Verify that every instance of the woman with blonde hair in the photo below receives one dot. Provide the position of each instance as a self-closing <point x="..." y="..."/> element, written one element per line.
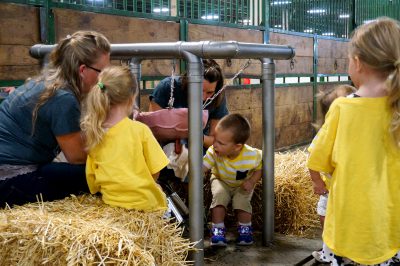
<point x="41" y="118"/>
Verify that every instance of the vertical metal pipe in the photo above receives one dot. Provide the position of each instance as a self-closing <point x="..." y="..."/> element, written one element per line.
<point x="219" y="10"/>
<point x="268" y="122"/>
<point x="136" y="69"/>
<point x="315" y="76"/>
<point x="353" y="16"/>
<point x="266" y="14"/>
<point x="196" y="208"/>
<point x="191" y="9"/>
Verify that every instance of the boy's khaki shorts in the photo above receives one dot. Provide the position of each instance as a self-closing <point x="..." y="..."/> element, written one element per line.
<point x="222" y="195"/>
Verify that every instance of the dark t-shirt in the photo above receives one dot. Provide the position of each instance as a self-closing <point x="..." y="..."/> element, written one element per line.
<point x="58" y="116"/>
<point x="162" y="93"/>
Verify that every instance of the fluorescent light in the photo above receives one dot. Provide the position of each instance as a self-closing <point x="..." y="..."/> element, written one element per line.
<point x="344" y="16"/>
<point x="368" y="21"/>
<point x="159" y="10"/>
<point x="210" y="17"/>
<point x="316" y="11"/>
<point x="276" y="3"/>
<point x="328" y="34"/>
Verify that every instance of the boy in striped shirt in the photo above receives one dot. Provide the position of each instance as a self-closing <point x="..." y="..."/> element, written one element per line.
<point x="235" y="170"/>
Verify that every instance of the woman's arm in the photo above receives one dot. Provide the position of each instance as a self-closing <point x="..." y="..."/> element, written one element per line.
<point x="73" y="147"/>
<point x="154" y="106"/>
<point x="209" y="139"/>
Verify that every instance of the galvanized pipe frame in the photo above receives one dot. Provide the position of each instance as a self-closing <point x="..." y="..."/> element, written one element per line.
<point x="203" y="49"/>
<point x="192" y="52"/>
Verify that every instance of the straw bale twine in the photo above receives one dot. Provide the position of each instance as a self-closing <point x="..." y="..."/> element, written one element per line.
<point x="85" y="231"/>
<point x="295" y="201"/>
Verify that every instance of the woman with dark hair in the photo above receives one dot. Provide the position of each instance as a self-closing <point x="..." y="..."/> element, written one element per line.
<point x="212" y="84"/>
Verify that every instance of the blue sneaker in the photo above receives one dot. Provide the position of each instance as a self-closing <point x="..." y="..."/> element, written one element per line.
<point x="218" y="237"/>
<point x="245" y="235"/>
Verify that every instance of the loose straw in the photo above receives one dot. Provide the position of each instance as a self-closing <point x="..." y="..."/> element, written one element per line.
<point x="85" y="231"/>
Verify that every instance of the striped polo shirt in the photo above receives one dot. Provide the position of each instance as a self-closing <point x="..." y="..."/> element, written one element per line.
<point x="234" y="171"/>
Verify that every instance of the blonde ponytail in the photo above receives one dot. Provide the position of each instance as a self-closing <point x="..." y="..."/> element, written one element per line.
<point x="393" y="87"/>
<point x="378" y="45"/>
<point x="97" y="106"/>
<point x="116" y="85"/>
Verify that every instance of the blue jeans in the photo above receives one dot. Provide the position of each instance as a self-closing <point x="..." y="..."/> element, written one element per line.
<point x="53" y="181"/>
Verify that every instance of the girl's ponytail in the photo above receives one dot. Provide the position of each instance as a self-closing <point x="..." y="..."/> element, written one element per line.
<point x="393" y="87"/>
<point x="96" y="110"/>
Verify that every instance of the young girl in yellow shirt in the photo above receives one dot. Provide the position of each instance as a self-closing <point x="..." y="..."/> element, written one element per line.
<point x="359" y="146"/>
<point x="124" y="158"/>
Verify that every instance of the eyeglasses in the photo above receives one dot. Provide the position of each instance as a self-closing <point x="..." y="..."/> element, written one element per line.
<point x="95" y="69"/>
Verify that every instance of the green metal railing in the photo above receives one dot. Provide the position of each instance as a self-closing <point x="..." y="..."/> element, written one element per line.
<point x="322" y="17"/>
<point x="335" y="19"/>
<point x="312" y="18"/>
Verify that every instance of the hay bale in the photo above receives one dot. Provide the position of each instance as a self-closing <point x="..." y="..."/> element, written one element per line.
<point x="295" y="201"/>
<point x="85" y="231"/>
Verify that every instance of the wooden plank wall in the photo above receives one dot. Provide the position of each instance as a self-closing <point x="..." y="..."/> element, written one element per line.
<point x="303" y="61"/>
<point x="120" y="29"/>
<point x="214" y="33"/>
<point x="293" y="105"/>
<point x="19" y="30"/>
<point x="332" y="57"/>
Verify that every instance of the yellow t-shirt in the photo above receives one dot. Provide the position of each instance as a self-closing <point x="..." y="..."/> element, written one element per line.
<point x="326" y="177"/>
<point x="121" y="167"/>
<point x="363" y="213"/>
<point x="234" y="171"/>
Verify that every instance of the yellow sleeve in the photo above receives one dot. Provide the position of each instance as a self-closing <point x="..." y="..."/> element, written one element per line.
<point x="321" y="148"/>
<point x="208" y="159"/>
<point x="259" y="159"/>
<point x="90" y="176"/>
<point x="153" y="154"/>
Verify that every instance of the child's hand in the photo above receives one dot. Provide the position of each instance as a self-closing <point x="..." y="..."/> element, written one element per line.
<point x="319" y="187"/>
<point x="318" y="183"/>
<point x="248" y="185"/>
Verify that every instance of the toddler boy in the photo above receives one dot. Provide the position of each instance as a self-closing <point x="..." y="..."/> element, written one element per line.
<point x="235" y="170"/>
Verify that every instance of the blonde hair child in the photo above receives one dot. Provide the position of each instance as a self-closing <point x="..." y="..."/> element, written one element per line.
<point x="325" y="100"/>
<point x="359" y="146"/>
<point x="124" y="158"/>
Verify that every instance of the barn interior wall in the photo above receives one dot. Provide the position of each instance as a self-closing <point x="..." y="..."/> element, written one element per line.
<point x="293" y="104"/>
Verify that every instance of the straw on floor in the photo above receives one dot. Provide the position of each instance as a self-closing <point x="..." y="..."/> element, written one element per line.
<point x="85" y="231"/>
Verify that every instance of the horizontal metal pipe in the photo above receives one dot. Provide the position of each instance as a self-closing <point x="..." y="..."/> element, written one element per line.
<point x="203" y="49"/>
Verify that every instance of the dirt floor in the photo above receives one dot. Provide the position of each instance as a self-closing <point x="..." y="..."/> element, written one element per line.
<point x="285" y="250"/>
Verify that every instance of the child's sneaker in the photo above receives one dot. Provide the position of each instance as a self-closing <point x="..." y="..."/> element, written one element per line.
<point x="218" y="237"/>
<point x="245" y="235"/>
<point x="318" y="256"/>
